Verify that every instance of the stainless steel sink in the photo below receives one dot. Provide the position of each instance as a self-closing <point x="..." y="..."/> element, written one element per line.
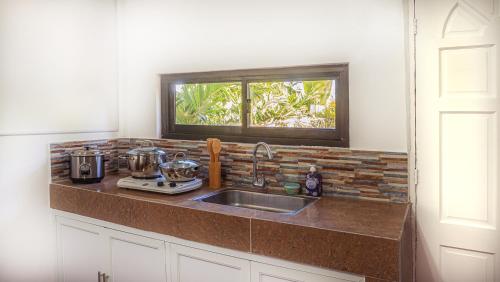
<point x="258" y="201"/>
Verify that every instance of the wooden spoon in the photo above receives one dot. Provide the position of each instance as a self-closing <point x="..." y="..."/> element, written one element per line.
<point x="216" y="148"/>
<point x="210" y="149"/>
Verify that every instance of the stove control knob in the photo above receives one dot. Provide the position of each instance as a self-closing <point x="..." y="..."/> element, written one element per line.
<point x="160" y="184"/>
<point x="172" y="184"/>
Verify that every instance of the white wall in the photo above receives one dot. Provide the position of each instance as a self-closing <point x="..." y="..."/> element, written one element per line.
<point x="57" y="61"/>
<point x="168" y="36"/>
<point x="27" y="233"/>
<point x="58" y="66"/>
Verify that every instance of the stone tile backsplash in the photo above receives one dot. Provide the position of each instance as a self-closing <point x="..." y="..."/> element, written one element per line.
<point x="370" y="175"/>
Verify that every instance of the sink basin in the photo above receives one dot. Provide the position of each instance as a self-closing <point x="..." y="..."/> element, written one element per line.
<point x="258" y="201"/>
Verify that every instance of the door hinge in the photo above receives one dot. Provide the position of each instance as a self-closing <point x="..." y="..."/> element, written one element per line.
<point x="415" y="176"/>
<point x="415" y="26"/>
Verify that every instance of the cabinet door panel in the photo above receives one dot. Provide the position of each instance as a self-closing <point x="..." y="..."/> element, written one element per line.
<point x="194" y="265"/>
<point x="270" y="273"/>
<point x="81" y="252"/>
<point x="136" y="258"/>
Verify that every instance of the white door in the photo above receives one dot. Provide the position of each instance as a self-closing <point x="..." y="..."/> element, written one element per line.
<point x="136" y="258"/>
<point x="81" y="251"/>
<point x="457" y="140"/>
<point x="270" y="273"/>
<point x="194" y="265"/>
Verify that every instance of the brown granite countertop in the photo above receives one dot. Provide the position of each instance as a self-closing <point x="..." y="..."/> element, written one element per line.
<point x="358" y="236"/>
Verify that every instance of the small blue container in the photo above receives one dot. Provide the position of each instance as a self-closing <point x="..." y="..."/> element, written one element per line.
<point x="291" y="188"/>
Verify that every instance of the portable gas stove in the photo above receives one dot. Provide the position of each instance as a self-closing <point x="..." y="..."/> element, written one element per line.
<point x="159" y="185"/>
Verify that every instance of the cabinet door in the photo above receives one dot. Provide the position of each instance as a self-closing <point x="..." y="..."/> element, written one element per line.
<point x="270" y="273"/>
<point x="81" y="251"/>
<point x="136" y="258"/>
<point x="194" y="265"/>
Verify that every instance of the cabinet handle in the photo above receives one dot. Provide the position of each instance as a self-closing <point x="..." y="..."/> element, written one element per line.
<point x="105" y="277"/>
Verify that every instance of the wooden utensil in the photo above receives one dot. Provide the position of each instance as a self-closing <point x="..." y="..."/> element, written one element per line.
<point x="214" y="177"/>
<point x="214" y="166"/>
<point x="216" y="148"/>
<point x="210" y="149"/>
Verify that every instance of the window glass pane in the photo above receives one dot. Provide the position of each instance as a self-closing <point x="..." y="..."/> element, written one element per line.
<point x="295" y="104"/>
<point x="208" y="103"/>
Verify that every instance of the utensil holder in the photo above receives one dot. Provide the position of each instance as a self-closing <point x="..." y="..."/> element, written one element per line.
<point x="214" y="175"/>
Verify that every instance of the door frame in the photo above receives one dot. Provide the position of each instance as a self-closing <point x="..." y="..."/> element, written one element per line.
<point x="412" y="32"/>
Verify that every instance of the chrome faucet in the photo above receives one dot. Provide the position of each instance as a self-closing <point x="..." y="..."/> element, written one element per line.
<point x="260" y="180"/>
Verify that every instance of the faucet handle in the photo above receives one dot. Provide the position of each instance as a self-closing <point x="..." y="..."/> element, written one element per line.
<point x="260" y="181"/>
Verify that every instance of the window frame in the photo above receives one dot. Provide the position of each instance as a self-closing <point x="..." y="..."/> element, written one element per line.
<point x="338" y="137"/>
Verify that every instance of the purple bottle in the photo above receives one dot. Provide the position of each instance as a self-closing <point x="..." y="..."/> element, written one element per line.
<point x="314" y="185"/>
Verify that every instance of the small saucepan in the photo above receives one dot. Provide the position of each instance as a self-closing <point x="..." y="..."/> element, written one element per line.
<point x="180" y="170"/>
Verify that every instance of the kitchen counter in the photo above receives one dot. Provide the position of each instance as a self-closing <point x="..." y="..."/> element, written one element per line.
<point x="364" y="237"/>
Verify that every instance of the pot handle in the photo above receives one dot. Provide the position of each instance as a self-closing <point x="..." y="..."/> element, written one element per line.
<point x="180" y="154"/>
<point x="147" y="142"/>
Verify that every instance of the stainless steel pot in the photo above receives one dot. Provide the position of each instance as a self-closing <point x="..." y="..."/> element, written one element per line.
<point x="180" y="170"/>
<point x="87" y="166"/>
<point x="144" y="161"/>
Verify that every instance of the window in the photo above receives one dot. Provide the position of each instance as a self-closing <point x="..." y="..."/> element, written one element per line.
<point x="208" y="104"/>
<point x="306" y="105"/>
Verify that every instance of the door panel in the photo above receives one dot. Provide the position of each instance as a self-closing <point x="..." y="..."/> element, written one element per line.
<point x="466" y="72"/>
<point x="136" y="258"/>
<point x="467" y="169"/>
<point x="474" y="266"/>
<point x="457" y="140"/>
<point x="270" y="273"/>
<point x="81" y="251"/>
<point x="194" y="265"/>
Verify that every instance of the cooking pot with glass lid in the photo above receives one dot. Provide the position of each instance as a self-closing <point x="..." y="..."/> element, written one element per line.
<point x="145" y="160"/>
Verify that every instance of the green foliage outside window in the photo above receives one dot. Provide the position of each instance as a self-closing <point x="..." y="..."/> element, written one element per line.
<point x="208" y="104"/>
<point x="299" y="104"/>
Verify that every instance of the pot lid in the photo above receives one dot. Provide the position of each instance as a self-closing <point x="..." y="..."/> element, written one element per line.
<point x="146" y="151"/>
<point x="86" y="152"/>
<point x="180" y="164"/>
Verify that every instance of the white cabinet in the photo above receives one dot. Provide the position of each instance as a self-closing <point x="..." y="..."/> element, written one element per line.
<point x="136" y="258"/>
<point x="86" y="249"/>
<point x="81" y="253"/>
<point x="194" y="265"/>
<point x="270" y="273"/>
